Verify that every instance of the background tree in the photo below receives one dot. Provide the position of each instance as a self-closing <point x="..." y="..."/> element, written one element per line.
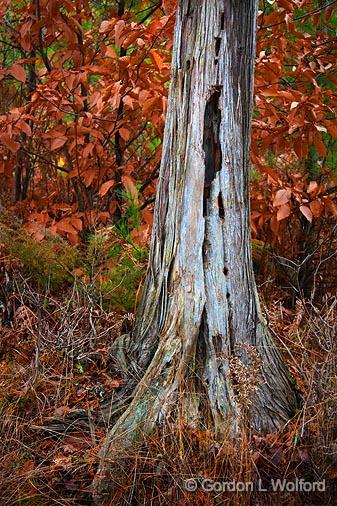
<point x="201" y="351"/>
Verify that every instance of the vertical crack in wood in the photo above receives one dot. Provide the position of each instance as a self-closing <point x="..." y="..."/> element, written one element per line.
<point x="187" y="91"/>
<point x="217" y="46"/>
<point x="222" y="21"/>
<point x="211" y="145"/>
<point x="231" y="332"/>
<point x="201" y="380"/>
<point x="221" y="207"/>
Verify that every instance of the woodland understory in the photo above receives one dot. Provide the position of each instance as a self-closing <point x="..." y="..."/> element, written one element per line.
<point x="58" y="377"/>
<point x="83" y="103"/>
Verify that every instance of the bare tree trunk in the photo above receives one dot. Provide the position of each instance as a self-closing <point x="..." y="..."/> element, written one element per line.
<point x="201" y="350"/>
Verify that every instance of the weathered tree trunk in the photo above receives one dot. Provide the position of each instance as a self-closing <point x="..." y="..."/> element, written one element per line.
<point x="201" y="350"/>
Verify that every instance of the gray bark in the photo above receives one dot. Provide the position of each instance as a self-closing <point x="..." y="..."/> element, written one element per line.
<point x="201" y="350"/>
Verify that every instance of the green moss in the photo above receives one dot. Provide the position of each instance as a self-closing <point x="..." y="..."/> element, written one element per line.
<point x="49" y="263"/>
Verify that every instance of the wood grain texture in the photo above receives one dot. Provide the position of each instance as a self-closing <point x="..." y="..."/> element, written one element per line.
<point x="200" y="305"/>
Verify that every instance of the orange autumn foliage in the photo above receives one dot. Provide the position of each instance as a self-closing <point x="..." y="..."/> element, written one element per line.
<point x="88" y="91"/>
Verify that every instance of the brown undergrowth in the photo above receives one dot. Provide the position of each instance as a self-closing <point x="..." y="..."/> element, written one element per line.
<point x="54" y="360"/>
<point x="56" y="364"/>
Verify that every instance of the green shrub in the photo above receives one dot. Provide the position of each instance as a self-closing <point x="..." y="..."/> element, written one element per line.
<point x="117" y="267"/>
<point x="121" y="287"/>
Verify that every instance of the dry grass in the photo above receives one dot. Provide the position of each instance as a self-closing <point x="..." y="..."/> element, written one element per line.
<point x="154" y="473"/>
<point x="55" y="361"/>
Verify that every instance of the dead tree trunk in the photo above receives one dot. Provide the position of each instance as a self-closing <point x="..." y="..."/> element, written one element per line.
<point x="201" y="350"/>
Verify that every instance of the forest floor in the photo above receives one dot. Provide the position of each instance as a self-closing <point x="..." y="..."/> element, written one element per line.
<point x="56" y="369"/>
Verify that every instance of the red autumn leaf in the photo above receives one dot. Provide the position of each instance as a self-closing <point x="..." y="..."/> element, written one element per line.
<point x="283" y="212"/>
<point x="147" y="216"/>
<point x="24" y="127"/>
<point x="332" y="127"/>
<point x="25" y="28"/>
<point x="106" y="187"/>
<point x="130" y="187"/>
<point x="313" y="185"/>
<point x="130" y="39"/>
<point x="106" y="25"/>
<point x="74" y="239"/>
<point x="156" y="59"/>
<point x="301" y="148"/>
<point x="140" y="235"/>
<point x="88" y="176"/>
<point x="110" y="52"/>
<point x="306" y="212"/>
<point x="272" y="173"/>
<point x="281" y="197"/>
<point x="76" y="223"/>
<point x="168" y="5"/>
<point x="65" y="226"/>
<point x="149" y="104"/>
<point x="57" y="132"/>
<point x="58" y="142"/>
<point x="18" y="72"/>
<point x="112" y="207"/>
<point x="88" y="149"/>
<point x="285" y="94"/>
<point x="129" y="101"/>
<point x="319" y="144"/>
<point x="316" y="208"/>
<point x="331" y="206"/>
<point x="119" y="28"/>
<point x="124" y="133"/>
<point x="10" y="143"/>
